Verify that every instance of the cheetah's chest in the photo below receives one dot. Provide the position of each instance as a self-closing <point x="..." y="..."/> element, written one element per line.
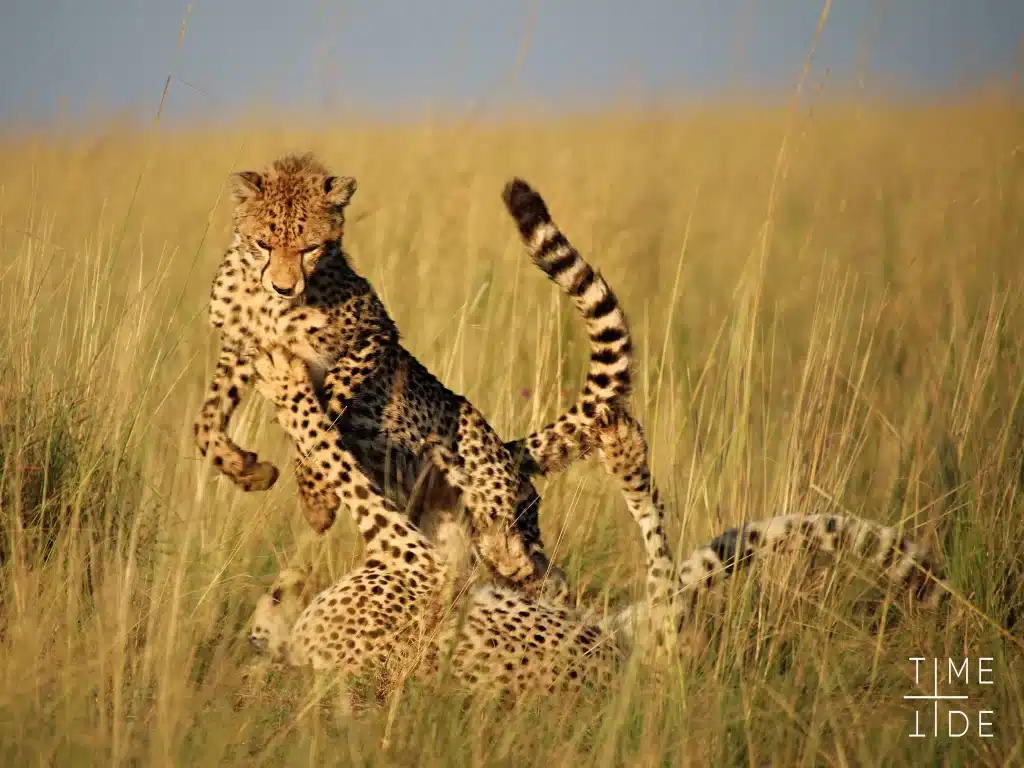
<point x="248" y="316"/>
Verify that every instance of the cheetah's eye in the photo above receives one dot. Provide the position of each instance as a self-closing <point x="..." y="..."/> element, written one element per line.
<point x="311" y="249"/>
<point x="262" y="245"/>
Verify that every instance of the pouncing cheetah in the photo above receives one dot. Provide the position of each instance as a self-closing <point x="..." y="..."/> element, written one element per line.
<point x="551" y="449"/>
<point x="286" y="283"/>
<point x="410" y="607"/>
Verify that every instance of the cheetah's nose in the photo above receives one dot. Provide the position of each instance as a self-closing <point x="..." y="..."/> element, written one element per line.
<point x="258" y="643"/>
<point x="283" y="291"/>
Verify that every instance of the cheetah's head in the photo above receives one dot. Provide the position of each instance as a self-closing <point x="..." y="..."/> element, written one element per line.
<point x="277" y="610"/>
<point x="287" y="217"/>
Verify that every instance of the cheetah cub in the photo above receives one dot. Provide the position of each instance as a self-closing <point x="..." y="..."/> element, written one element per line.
<point x="286" y="283"/>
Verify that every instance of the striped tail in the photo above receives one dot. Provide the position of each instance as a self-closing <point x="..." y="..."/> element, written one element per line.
<point x="609" y="377"/>
<point x="902" y="560"/>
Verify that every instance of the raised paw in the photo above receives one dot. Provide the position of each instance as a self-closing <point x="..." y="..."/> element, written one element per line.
<point x="256" y="475"/>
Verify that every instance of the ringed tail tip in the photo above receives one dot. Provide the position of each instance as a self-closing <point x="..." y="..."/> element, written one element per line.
<point x="525" y="205"/>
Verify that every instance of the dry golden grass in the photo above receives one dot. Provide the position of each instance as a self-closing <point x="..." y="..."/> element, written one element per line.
<point x="828" y="316"/>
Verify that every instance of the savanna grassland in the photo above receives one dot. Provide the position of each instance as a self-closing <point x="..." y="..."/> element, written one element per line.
<point x="828" y="312"/>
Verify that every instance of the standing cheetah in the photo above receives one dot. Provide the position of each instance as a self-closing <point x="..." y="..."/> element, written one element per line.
<point x="287" y="283"/>
<point x="409" y="607"/>
<point x="552" y="448"/>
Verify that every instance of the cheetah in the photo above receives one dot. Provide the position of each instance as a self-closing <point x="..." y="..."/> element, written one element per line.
<point x="287" y="283"/>
<point x="411" y="605"/>
<point x="551" y="449"/>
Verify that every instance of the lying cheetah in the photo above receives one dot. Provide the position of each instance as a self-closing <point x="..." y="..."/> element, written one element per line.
<point x="287" y="283"/>
<point x="411" y="606"/>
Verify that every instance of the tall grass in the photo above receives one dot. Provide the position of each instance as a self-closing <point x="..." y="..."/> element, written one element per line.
<point x="870" y="362"/>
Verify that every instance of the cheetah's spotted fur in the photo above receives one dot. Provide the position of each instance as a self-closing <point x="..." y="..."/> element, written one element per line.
<point x="556" y="445"/>
<point x="286" y="283"/>
<point x="398" y="608"/>
<point x="410" y="604"/>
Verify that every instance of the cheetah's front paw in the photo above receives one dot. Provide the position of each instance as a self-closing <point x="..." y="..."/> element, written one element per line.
<point x="256" y="475"/>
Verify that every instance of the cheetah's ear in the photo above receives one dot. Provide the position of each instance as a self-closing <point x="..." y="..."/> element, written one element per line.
<point x="246" y="185"/>
<point x="338" y="190"/>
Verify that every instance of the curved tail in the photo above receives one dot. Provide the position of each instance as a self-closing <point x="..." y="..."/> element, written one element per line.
<point x="903" y="561"/>
<point x="609" y="377"/>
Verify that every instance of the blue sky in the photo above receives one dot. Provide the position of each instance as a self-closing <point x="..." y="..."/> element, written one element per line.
<point x="386" y="53"/>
